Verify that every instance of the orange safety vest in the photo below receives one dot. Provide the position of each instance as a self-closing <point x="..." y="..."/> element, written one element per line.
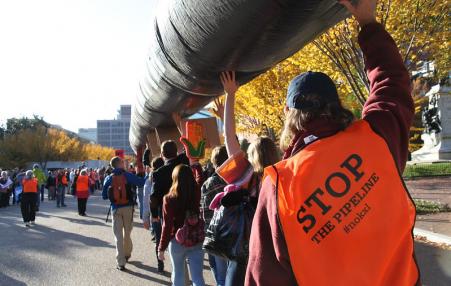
<point x="30" y="186"/>
<point x="64" y="179"/>
<point x="345" y="212"/>
<point x="82" y="184"/>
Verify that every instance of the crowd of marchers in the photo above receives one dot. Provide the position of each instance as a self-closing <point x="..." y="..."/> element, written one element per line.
<point x="27" y="188"/>
<point x="258" y="213"/>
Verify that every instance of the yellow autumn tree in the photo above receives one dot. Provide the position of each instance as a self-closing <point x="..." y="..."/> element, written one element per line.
<point x="40" y="143"/>
<point x="419" y="27"/>
<point x="96" y="151"/>
<point x="64" y="148"/>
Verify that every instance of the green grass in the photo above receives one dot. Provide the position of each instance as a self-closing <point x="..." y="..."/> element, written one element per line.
<point x="427" y="170"/>
<point x="430" y="207"/>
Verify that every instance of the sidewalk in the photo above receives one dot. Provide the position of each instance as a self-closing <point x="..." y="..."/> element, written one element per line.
<point x="437" y="189"/>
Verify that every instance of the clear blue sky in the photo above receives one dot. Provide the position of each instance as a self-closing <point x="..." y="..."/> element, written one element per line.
<point x="71" y="61"/>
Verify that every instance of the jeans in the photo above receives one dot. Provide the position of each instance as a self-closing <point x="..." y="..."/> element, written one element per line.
<point x="140" y="200"/>
<point x="218" y="266"/>
<point x="15" y="198"/>
<point x="156" y="226"/>
<point x="60" y="195"/>
<point x="179" y="254"/>
<point x="40" y="195"/>
<point x="51" y="193"/>
<point x="41" y="190"/>
<point x="236" y="272"/>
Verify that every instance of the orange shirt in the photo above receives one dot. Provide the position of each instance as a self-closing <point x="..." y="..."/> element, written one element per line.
<point x="30" y="186"/>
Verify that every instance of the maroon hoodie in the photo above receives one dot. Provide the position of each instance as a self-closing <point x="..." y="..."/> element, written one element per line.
<point x="389" y="110"/>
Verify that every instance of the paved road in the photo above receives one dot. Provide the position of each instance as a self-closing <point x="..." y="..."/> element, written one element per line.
<point x="436" y="189"/>
<point x="65" y="249"/>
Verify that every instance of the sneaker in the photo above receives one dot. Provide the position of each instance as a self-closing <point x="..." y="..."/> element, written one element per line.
<point x="64" y="206"/>
<point x="120" y="267"/>
<point x="32" y="223"/>
<point x="27" y="224"/>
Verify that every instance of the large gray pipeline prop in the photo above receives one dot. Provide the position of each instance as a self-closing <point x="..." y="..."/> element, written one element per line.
<point x="194" y="40"/>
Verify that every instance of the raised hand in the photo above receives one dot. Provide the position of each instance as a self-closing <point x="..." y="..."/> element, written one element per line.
<point x="229" y="83"/>
<point x="217" y="109"/>
<point x="364" y="11"/>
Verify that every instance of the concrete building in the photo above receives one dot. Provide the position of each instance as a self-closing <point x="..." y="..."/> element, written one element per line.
<point x="89" y="134"/>
<point x="114" y="133"/>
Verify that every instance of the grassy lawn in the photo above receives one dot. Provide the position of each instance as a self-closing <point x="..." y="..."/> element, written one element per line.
<point x="428" y="170"/>
<point x="429" y="207"/>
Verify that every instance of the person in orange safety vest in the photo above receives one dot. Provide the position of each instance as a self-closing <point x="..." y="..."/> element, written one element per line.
<point x="82" y="191"/>
<point x="30" y="188"/>
<point x="336" y="211"/>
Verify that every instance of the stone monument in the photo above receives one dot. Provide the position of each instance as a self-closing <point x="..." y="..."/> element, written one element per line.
<point x="436" y="119"/>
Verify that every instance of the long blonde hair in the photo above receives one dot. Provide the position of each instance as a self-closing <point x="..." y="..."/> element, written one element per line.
<point x="262" y="153"/>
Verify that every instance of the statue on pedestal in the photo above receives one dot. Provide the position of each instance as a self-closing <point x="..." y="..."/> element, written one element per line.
<point x="436" y="118"/>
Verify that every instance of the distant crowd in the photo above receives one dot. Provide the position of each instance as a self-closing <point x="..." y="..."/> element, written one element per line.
<point x="58" y="182"/>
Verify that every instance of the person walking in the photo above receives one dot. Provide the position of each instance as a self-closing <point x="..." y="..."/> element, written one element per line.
<point x="148" y="219"/>
<point x="51" y="186"/>
<point x="82" y="191"/>
<point x="162" y="178"/>
<point x="92" y="180"/>
<point x="183" y="198"/>
<point x="118" y="189"/>
<point x="5" y="189"/>
<point x="29" y="197"/>
<point x="18" y="188"/>
<point x="244" y="173"/>
<point x="71" y="182"/>
<point x="211" y="187"/>
<point x="323" y="211"/>
<point x="61" y="183"/>
<point x="67" y="175"/>
<point x="40" y="176"/>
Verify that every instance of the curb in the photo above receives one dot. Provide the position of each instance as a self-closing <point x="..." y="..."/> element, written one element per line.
<point x="432" y="236"/>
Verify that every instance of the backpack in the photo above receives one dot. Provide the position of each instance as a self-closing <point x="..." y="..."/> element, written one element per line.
<point x="193" y="230"/>
<point x="119" y="191"/>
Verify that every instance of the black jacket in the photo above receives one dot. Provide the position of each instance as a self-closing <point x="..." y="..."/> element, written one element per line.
<point x="51" y="181"/>
<point x="212" y="186"/>
<point x="162" y="179"/>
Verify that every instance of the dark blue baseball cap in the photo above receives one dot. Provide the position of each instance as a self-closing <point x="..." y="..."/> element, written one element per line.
<point x="311" y="83"/>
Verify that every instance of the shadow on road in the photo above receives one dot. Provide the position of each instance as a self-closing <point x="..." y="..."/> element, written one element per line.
<point x="86" y="220"/>
<point x="63" y="235"/>
<point x="6" y="280"/>
<point x="59" y="238"/>
<point x="146" y="268"/>
<point x="434" y="263"/>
